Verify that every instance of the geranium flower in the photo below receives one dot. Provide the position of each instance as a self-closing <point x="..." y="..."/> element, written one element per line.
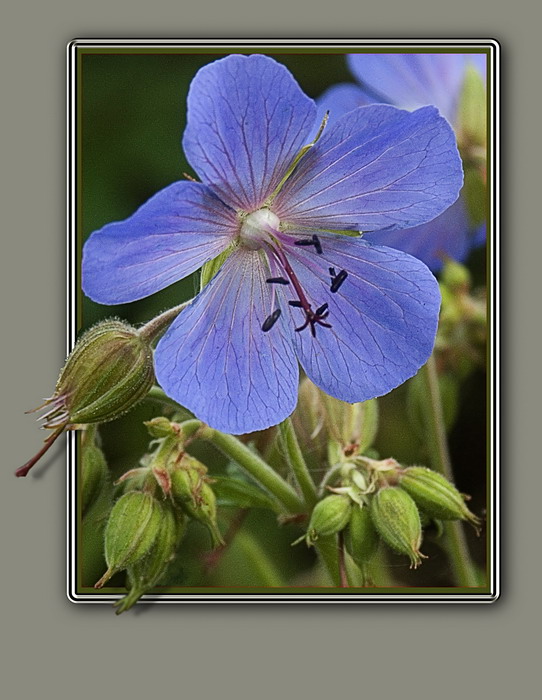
<point x="410" y="81"/>
<point x="359" y="318"/>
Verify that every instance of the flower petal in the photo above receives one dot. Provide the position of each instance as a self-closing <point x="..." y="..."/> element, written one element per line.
<point x="447" y="236"/>
<point x="413" y="80"/>
<point x="340" y="99"/>
<point x="247" y="119"/>
<point x="391" y="173"/>
<point x="215" y="359"/>
<point x="383" y="317"/>
<point x="170" y="236"/>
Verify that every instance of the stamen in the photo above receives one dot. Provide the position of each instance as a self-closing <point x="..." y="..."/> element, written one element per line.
<point x="313" y="240"/>
<point x="271" y="320"/>
<point x="317" y="244"/>
<point x="322" y="309"/>
<point x="338" y="280"/>
<point x="296" y="304"/>
<point x="277" y="280"/>
<point x="332" y="272"/>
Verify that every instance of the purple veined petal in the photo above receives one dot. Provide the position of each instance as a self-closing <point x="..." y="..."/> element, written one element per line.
<point x="247" y="119"/>
<point x="447" y="236"/>
<point x="413" y="80"/>
<point x="400" y="173"/>
<point x="338" y="100"/>
<point x="173" y="234"/>
<point x="218" y="362"/>
<point x="383" y="317"/>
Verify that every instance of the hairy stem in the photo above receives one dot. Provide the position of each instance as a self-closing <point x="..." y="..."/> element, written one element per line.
<point x="455" y="542"/>
<point x="154" y="328"/>
<point x="297" y="463"/>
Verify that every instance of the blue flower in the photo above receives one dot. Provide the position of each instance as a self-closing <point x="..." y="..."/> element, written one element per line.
<point x="359" y="318"/>
<point x="411" y="81"/>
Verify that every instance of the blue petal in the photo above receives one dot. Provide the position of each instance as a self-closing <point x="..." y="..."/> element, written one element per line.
<point x="447" y="236"/>
<point x="383" y="317"/>
<point x="340" y="99"/>
<point x="412" y="80"/>
<point x="395" y="170"/>
<point x="247" y="119"/>
<point x="170" y="236"/>
<point x="216" y="360"/>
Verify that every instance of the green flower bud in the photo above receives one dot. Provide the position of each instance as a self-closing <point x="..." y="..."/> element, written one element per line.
<point x="329" y="516"/>
<point x="397" y="520"/>
<point x="147" y="572"/>
<point x="94" y="475"/>
<point x="320" y="418"/>
<point x="131" y="530"/>
<point x="361" y="538"/>
<point x="435" y="495"/>
<point x="108" y="372"/>
<point x="190" y="491"/>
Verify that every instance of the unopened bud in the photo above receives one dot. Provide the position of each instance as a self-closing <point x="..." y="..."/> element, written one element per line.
<point x="108" y="372"/>
<point x="329" y="516"/>
<point x="131" y="530"/>
<point x="147" y="572"/>
<point x="320" y="418"/>
<point x="94" y="475"/>
<point x="435" y="495"/>
<point x="396" y="518"/>
<point x="361" y="538"/>
<point x="191" y="491"/>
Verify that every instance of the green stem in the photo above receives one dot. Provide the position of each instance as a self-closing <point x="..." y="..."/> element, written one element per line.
<point x="154" y="328"/>
<point x="297" y="462"/>
<point x="263" y="566"/>
<point x="455" y="542"/>
<point x="251" y="463"/>
<point x="328" y="549"/>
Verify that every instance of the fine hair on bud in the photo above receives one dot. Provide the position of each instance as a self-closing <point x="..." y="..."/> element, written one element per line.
<point x="329" y="516"/>
<point x="397" y="520"/>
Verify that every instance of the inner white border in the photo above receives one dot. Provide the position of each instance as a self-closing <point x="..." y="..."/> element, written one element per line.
<point x="493" y="311"/>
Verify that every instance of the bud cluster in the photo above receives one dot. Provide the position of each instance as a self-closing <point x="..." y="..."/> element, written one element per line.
<point x="148" y="521"/>
<point x="381" y="500"/>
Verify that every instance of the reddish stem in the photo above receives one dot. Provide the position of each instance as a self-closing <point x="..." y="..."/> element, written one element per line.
<point x="342" y="562"/>
<point x="23" y="471"/>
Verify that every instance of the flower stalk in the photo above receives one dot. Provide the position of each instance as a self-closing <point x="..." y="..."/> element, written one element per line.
<point x="297" y="463"/>
<point x="455" y="541"/>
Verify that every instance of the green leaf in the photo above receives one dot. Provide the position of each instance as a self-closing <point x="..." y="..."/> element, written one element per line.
<point x="242" y="494"/>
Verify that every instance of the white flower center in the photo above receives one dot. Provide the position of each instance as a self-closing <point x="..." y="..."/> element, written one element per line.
<point x="254" y="229"/>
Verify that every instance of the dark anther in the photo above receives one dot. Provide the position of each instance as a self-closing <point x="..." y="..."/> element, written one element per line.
<point x="338" y="280"/>
<point x="278" y="280"/>
<point x="317" y="244"/>
<point x="313" y="240"/>
<point x="271" y="320"/>
<point x="321" y="310"/>
<point x="332" y="272"/>
<point x="296" y="304"/>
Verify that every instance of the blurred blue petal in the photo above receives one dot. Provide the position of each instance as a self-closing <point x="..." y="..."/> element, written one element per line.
<point x="247" y="119"/>
<point x="216" y="360"/>
<point x="401" y="174"/>
<point x="170" y="236"/>
<point x="447" y="236"/>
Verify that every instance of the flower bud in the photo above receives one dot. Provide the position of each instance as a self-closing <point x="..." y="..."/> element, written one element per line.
<point x="131" y="530"/>
<point x="147" y="572"/>
<point x="329" y="516"/>
<point x="397" y="520"/>
<point x="108" y="372"/>
<point x="190" y="491"/>
<point x="320" y="419"/>
<point x="435" y="495"/>
<point x="361" y="538"/>
<point x="94" y="475"/>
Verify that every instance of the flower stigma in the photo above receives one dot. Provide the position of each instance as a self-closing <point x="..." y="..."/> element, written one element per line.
<point x="254" y="231"/>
